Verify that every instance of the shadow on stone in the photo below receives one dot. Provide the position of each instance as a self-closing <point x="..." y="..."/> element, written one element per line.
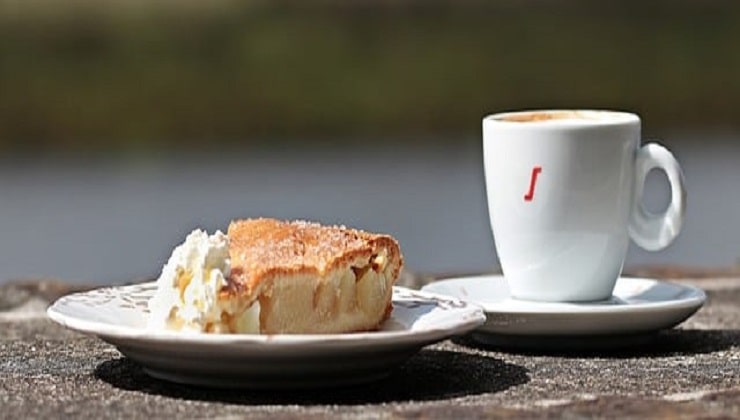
<point x="429" y="375"/>
<point x="675" y="342"/>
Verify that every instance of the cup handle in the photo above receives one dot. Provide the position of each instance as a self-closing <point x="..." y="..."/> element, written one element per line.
<point x="651" y="231"/>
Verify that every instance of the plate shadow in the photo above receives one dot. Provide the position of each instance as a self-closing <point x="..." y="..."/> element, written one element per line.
<point x="667" y="343"/>
<point x="429" y="375"/>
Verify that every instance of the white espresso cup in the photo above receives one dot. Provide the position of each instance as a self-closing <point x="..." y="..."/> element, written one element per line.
<point x="565" y="195"/>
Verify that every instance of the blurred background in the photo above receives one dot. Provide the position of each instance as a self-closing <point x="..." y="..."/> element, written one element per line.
<point x="126" y="124"/>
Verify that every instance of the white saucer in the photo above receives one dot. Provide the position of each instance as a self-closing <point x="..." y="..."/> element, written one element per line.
<point x="118" y="315"/>
<point x="638" y="306"/>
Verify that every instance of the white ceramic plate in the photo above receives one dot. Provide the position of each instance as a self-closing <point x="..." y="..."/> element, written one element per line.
<point x="118" y="315"/>
<point x="637" y="306"/>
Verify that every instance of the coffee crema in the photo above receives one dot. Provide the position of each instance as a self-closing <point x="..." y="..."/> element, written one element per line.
<point x="543" y="116"/>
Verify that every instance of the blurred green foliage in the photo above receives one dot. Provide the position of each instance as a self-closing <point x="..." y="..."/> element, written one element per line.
<point x="87" y="76"/>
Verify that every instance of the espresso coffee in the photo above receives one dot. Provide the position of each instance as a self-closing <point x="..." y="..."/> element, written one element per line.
<point x="545" y="116"/>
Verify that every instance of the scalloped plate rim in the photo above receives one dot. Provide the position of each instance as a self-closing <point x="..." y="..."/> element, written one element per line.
<point x="115" y="332"/>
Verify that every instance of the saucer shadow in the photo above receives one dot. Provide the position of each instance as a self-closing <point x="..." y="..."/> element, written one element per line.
<point x="667" y="343"/>
<point x="429" y="375"/>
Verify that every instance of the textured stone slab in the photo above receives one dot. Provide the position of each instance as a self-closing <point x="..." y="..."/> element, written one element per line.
<point x="693" y="371"/>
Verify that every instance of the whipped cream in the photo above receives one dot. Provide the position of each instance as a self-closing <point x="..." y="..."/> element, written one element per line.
<point x="188" y="294"/>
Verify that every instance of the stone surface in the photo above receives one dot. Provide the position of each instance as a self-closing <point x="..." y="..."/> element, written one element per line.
<point x="693" y="371"/>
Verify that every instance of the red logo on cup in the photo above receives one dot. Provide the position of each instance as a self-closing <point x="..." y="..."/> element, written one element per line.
<point x="529" y="196"/>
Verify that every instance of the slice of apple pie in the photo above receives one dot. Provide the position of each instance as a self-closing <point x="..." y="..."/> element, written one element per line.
<point x="310" y="278"/>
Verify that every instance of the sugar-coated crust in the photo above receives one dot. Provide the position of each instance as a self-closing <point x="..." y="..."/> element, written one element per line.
<point x="261" y="249"/>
